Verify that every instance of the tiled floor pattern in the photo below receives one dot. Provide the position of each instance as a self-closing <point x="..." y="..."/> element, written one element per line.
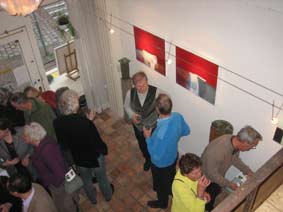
<point x="124" y="164"/>
<point x="133" y="186"/>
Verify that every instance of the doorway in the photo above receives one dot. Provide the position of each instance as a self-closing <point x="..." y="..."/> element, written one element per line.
<point x="18" y="67"/>
<point x="55" y="39"/>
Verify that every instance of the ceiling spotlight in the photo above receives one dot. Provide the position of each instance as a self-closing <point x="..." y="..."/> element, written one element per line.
<point x="274" y="120"/>
<point x="111" y="31"/>
<point x="169" y="61"/>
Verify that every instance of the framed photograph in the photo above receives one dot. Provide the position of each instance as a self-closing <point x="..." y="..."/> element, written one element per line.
<point x="196" y="74"/>
<point x="150" y="50"/>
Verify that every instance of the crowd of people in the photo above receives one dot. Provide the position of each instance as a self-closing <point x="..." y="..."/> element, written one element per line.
<point x="43" y="134"/>
<point x="158" y="130"/>
<point x="38" y="152"/>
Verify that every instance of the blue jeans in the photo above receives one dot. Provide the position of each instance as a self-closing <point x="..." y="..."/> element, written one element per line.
<point x="100" y="173"/>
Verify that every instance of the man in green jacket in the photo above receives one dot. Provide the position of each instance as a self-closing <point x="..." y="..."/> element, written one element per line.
<point x="35" y="111"/>
<point x="189" y="186"/>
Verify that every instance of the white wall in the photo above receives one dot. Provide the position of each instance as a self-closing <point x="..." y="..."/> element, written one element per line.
<point x="241" y="36"/>
<point x="7" y="23"/>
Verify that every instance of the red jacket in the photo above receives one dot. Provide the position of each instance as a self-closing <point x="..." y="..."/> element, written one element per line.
<point x="50" y="98"/>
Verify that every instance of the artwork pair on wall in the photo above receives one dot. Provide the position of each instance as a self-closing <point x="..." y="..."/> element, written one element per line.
<point x="192" y="72"/>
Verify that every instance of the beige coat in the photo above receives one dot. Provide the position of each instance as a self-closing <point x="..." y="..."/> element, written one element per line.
<point x="218" y="157"/>
<point x="41" y="201"/>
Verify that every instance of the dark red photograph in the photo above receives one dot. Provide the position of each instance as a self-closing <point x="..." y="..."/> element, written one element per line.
<point x="196" y="74"/>
<point x="150" y="50"/>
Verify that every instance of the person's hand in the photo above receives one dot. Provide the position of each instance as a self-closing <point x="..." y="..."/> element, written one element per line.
<point x="91" y="115"/>
<point x="11" y="162"/>
<point x="25" y="161"/>
<point x="206" y="197"/>
<point x="146" y="132"/>
<point x="203" y="182"/>
<point x="5" y="207"/>
<point x="233" y="186"/>
<point x="136" y="118"/>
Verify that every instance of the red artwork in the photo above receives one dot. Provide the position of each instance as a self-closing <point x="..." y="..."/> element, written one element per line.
<point x="196" y="74"/>
<point x="150" y="50"/>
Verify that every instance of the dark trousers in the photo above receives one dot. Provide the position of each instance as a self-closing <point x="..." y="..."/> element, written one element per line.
<point x="214" y="190"/>
<point x="142" y="143"/>
<point x="162" y="181"/>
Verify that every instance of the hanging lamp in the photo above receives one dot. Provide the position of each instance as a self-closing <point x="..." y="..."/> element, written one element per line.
<point x="20" y="7"/>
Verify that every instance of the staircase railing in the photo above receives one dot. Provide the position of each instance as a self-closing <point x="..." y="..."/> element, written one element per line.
<point x="256" y="189"/>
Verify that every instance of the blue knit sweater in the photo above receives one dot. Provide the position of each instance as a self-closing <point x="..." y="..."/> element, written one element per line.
<point x="163" y="143"/>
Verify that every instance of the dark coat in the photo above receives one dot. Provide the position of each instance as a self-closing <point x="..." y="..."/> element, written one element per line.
<point x="80" y="135"/>
<point x="5" y="197"/>
<point x="16" y="117"/>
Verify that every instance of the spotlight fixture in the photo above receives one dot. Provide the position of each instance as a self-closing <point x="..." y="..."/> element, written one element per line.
<point x="274" y="119"/>
<point x="169" y="61"/>
<point x="111" y="30"/>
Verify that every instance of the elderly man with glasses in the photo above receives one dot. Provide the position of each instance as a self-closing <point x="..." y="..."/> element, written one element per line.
<point x="221" y="154"/>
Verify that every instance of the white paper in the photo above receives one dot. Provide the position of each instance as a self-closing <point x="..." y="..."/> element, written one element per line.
<point x="21" y="75"/>
<point x="3" y="172"/>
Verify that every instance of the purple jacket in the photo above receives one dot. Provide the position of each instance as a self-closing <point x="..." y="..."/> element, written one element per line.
<point x="48" y="162"/>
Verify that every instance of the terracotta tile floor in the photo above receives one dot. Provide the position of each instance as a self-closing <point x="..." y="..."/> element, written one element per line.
<point x="124" y="164"/>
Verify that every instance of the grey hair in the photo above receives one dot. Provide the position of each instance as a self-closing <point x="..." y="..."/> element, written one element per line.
<point x="138" y="76"/>
<point x="69" y="102"/>
<point x="18" y="98"/>
<point x="249" y="135"/>
<point x="34" y="131"/>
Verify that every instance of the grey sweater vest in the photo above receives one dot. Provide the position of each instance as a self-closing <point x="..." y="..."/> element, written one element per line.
<point x="147" y="111"/>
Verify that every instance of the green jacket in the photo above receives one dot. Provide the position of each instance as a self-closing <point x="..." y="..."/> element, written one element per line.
<point x="42" y="114"/>
<point x="185" y="195"/>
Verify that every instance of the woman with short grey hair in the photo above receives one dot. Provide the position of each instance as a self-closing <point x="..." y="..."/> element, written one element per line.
<point x="69" y="102"/>
<point x="49" y="164"/>
<point x="34" y="131"/>
<point x="78" y="134"/>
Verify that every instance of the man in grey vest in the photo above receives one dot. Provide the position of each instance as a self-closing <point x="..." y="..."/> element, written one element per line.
<point x="140" y="107"/>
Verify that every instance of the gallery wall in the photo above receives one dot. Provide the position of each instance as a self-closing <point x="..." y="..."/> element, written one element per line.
<point x="240" y="36"/>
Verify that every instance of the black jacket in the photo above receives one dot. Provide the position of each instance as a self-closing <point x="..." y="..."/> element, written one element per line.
<point x="80" y="136"/>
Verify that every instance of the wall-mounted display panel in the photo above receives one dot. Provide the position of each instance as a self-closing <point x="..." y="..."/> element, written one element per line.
<point x="196" y="74"/>
<point x="150" y="50"/>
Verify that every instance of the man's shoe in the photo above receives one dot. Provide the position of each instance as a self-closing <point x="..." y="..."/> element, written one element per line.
<point x="156" y="204"/>
<point x="94" y="180"/>
<point x="146" y="165"/>
<point x="112" y="188"/>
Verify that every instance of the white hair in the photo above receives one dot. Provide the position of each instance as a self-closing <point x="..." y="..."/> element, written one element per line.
<point x="69" y="102"/>
<point x="35" y="131"/>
